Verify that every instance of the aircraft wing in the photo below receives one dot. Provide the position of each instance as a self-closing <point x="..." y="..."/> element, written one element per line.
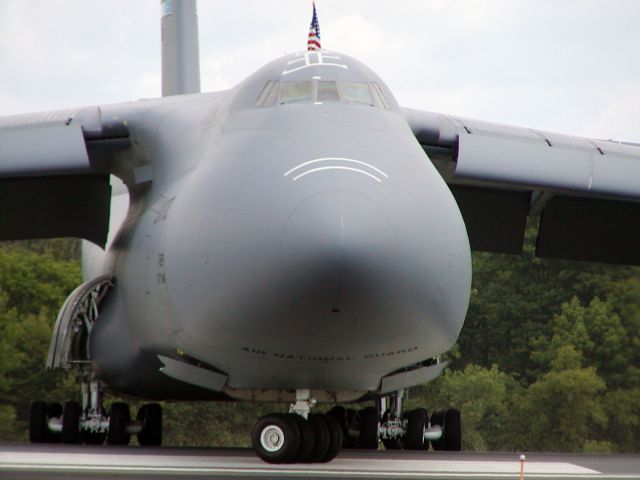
<point x="585" y="192"/>
<point x="54" y="180"/>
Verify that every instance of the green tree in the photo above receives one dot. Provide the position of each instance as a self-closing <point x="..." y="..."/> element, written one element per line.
<point x="516" y="297"/>
<point x="596" y="332"/>
<point x="625" y="301"/>
<point x="563" y="411"/>
<point x="484" y="396"/>
<point x="622" y="408"/>
<point x="32" y="289"/>
<point x="8" y="428"/>
<point x="567" y="329"/>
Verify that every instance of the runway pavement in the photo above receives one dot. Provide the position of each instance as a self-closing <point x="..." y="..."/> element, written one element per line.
<point x="83" y="462"/>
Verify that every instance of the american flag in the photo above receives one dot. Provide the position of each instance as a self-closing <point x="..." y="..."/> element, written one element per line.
<point x="314" y="32"/>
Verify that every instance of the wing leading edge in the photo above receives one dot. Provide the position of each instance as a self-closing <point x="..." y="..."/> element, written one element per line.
<point x="586" y="192"/>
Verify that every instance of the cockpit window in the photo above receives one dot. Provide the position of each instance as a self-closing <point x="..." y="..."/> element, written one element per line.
<point x="379" y="96"/>
<point x="319" y="91"/>
<point x="327" y="92"/>
<point x="356" y="93"/>
<point x="269" y="94"/>
<point x="292" y="92"/>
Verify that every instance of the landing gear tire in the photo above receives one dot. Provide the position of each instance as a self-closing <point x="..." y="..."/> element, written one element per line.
<point x="339" y="413"/>
<point x="416" y="421"/>
<point x="71" y="423"/>
<point x="151" y="417"/>
<point x="38" y="429"/>
<point x="336" y="438"/>
<point x="322" y="437"/>
<point x="452" y="431"/>
<point x="276" y="438"/>
<point x="119" y="418"/>
<point x="369" y="428"/>
<point x="352" y="438"/>
<point x="307" y="438"/>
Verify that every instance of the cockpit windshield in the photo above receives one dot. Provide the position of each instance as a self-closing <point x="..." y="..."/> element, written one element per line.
<point x="356" y="93"/>
<point x="327" y="92"/>
<point x="292" y="92"/>
<point x="268" y="95"/>
<point x="319" y="91"/>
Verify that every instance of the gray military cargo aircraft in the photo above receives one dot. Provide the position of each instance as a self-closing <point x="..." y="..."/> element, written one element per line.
<point x="299" y="237"/>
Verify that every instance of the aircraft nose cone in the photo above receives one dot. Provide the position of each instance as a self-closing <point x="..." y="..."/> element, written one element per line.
<point x="338" y="246"/>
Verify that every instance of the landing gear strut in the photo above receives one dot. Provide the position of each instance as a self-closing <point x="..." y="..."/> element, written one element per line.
<point x="89" y="423"/>
<point x="414" y="430"/>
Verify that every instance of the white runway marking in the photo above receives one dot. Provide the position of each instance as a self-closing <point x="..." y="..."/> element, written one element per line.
<point x="122" y="463"/>
<point x="56" y="462"/>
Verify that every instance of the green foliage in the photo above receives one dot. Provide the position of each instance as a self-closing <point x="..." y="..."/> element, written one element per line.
<point x="484" y="397"/>
<point x="516" y="297"/>
<point x="33" y="286"/>
<point x="224" y="424"/>
<point x="568" y="329"/>
<point x="35" y="283"/>
<point x="598" y="446"/>
<point x="622" y="408"/>
<point x="597" y="334"/>
<point x="564" y="407"/>
<point x="56" y="248"/>
<point x="8" y="423"/>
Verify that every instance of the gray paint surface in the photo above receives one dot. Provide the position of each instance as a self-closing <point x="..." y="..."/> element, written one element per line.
<point x="41" y="150"/>
<point x="518" y="161"/>
<point x="180" y="52"/>
<point x="324" y="258"/>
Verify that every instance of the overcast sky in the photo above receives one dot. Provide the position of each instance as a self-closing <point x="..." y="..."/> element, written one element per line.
<point x="570" y="66"/>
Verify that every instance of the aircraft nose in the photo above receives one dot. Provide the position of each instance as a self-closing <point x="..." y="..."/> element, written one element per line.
<point x="341" y="242"/>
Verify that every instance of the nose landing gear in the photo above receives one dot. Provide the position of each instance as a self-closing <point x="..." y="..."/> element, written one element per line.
<point x="298" y="436"/>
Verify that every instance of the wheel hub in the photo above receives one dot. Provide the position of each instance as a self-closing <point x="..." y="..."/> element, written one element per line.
<point x="272" y="438"/>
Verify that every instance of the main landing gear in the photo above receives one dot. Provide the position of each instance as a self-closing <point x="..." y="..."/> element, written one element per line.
<point x="89" y="422"/>
<point x="300" y="436"/>
<point x="414" y="430"/>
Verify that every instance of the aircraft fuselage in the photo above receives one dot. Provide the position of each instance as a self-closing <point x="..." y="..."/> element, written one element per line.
<point x="288" y="245"/>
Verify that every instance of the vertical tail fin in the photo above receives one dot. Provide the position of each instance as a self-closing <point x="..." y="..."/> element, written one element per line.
<point x="180" y="52"/>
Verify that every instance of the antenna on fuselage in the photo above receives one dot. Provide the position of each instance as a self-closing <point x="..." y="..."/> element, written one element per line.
<point x="180" y="52"/>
